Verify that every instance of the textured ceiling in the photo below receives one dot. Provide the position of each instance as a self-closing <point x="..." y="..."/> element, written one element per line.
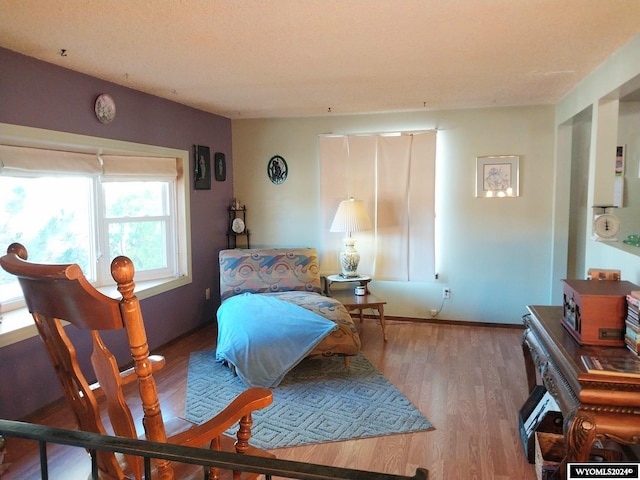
<point x="283" y="58"/>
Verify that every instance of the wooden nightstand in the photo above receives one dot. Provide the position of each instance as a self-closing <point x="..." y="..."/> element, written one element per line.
<point x="353" y="302"/>
<point x="331" y="279"/>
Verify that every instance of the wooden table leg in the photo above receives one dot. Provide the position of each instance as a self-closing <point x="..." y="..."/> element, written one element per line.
<point x="382" y="323"/>
<point x="380" y="309"/>
<point x="529" y="364"/>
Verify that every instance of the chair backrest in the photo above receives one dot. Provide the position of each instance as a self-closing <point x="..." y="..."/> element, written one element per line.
<point x="61" y="292"/>
<point x="268" y="270"/>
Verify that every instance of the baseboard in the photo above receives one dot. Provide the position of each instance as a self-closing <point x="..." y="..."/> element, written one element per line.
<point x="442" y="321"/>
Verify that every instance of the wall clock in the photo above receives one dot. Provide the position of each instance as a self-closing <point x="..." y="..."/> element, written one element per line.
<point x="105" y="108"/>
<point x="606" y="227"/>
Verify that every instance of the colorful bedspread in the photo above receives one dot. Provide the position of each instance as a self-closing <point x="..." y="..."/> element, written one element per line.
<point x="250" y="336"/>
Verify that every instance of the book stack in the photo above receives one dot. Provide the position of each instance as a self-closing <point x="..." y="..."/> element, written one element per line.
<point x="632" y="322"/>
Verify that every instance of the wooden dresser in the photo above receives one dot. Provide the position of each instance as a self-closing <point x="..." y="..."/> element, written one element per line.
<point x="594" y="406"/>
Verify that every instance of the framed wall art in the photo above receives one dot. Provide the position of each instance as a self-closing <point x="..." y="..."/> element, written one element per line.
<point x="220" y="165"/>
<point x="202" y="169"/>
<point x="277" y="169"/>
<point x="497" y="176"/>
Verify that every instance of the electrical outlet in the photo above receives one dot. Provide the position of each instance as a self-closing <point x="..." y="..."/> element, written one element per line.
<point x="207" y="294"/>
<point x="446" y="292"/>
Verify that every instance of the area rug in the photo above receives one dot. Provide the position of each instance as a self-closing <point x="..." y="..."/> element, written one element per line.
<point x="318" y="401"/>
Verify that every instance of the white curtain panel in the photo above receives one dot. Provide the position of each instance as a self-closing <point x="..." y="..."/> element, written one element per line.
<point x="394" y="175"/>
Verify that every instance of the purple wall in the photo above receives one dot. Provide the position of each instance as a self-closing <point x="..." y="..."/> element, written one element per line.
<point x="38" y="94"/>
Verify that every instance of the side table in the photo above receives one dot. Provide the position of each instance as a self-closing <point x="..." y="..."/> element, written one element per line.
<point x="359" y="303"/>
<point x="363" y="280"/>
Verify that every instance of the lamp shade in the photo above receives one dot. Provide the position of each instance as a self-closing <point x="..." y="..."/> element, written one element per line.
<point x="351" y="217"/>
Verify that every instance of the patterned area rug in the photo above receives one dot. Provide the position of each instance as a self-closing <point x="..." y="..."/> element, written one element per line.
<point x="318" y="401"/>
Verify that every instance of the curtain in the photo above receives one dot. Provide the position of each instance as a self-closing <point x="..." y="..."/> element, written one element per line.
<point x="394" y="175"/>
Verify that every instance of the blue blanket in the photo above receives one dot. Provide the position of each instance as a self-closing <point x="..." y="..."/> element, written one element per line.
<point x="264" y="337"/>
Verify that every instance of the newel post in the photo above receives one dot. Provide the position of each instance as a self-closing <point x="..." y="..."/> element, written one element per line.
<point x="122" y="271"/>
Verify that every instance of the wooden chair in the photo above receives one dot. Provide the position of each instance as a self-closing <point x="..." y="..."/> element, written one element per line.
<point x="61" y="292"/>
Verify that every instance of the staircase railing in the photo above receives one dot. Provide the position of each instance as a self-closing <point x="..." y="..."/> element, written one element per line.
<point x="197" y="456"/>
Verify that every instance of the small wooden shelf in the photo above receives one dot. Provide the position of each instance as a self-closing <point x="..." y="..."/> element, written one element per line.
<point x="232" y="237"/>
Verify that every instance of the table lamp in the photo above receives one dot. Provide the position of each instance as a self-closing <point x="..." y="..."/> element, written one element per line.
<point x="350" y="217"/>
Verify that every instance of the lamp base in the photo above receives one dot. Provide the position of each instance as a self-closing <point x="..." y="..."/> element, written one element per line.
<point x="349" y="259"/>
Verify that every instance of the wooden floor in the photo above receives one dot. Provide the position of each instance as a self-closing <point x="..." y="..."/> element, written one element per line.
<point x="469" y="381"/>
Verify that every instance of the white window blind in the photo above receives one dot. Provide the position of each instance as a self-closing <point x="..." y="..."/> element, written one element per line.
<point x="394" y="175"/>
<point x="118" y="166"/>
<point x="51" y="162"/>
<point x="47" y="162"/>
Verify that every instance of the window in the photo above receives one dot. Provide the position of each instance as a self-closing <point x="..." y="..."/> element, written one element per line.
<point x="49" y="215"/>
<point x="91" y="202"/>
<point x="139" y="223"/>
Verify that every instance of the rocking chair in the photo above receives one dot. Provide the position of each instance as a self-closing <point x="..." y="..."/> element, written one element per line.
<point x="61" y="292"/>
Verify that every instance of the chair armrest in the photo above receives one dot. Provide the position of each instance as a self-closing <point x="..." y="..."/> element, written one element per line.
<point x="248" y="401"/>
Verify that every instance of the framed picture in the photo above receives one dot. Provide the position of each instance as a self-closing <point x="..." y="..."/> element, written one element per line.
<point x="277" y="169"/>
<point x="202" y="170"/>
<point x="497" y="176"/>
<point x="220" y="165"/>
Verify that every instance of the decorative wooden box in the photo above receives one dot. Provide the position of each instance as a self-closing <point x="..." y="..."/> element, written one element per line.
<point x="594" y="312"/>
<point x="603" y="274"/>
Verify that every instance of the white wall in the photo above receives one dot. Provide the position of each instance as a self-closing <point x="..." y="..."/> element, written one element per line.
<point x="614" y="79"/>
<point x="495" y="254"/>
<point x="618" y="255"/>
<point x="629" y="136"/>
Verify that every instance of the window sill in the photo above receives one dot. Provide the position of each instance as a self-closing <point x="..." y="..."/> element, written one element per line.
<point x="17" y="325"/>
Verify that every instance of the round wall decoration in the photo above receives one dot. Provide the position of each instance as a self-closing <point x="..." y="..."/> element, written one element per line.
<point x="105" y="108"/>
<point x="277" y="169"/>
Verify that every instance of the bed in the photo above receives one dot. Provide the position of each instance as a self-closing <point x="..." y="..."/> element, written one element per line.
<point x="273" y="314"/>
